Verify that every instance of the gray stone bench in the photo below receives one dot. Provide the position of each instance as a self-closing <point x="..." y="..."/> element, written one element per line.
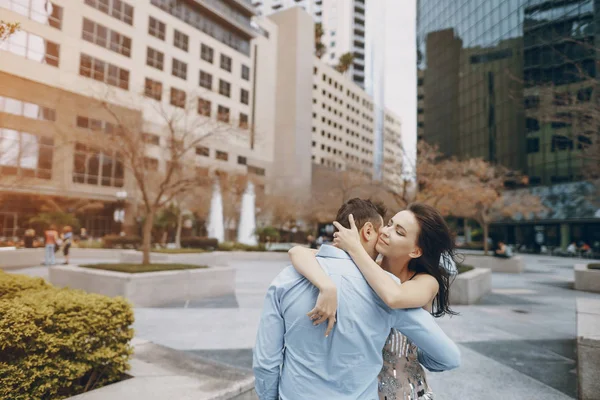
<point x="586" y="279"/>
<point x="469" y="287"/>
<point x="148" y="289"/>
<point x="513" y="265"/>
<point x="588" y="348"/>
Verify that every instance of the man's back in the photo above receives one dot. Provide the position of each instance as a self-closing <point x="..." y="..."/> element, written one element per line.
<point x="344" y="365"/>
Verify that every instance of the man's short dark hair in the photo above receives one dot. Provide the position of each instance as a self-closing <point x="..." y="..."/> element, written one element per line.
<point x="363" y="211"/>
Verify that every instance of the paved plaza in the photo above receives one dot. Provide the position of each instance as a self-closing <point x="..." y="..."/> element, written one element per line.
<point x="518" y="343"/>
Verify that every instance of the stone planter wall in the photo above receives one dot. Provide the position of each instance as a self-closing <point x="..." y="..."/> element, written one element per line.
<point x="513" y="265"/>
<point x="469" y="287"/>
<point x="586" y="279"/>
<point x="588" y="348"/>
<point x="149" y="289"/>
<point x="20" y="258"/>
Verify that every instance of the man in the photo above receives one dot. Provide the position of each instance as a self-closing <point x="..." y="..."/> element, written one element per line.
<point x="292" y="358"/>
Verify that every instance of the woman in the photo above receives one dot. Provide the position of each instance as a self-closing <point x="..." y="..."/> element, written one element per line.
<point x="411" y="244"/>
<point x="67" y="238"/>
<point x="50" y="241"/>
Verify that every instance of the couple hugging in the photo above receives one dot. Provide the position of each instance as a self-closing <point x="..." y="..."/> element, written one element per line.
<point x="383" y="312"/>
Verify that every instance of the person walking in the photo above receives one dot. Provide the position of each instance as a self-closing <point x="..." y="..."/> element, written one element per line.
<point x="50" y="241"/>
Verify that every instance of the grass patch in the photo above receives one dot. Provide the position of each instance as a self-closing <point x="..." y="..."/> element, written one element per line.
<point x="464" y="268"/>
<point x="178" y="251"/>
<point x="594" y="266"/>
<point x="140" y="268"/>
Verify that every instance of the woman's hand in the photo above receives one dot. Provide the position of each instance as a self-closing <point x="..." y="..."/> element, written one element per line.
<point x="347" y="239"/>
<point x="326" y="308"/>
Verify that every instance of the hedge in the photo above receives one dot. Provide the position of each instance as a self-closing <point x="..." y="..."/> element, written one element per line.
<point x="113" y="241"/>
<point x="229" y="246"/>
<point x="56" y="343"/>
<point x="198" y="242"/>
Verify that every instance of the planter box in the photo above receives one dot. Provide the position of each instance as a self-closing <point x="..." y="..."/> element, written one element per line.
<point x="148" y="289"/>
<point x="469" y="287"/>
<point x="588" y="348"/>
<point x="586" y="279"/>
<point x="513" y="265"/>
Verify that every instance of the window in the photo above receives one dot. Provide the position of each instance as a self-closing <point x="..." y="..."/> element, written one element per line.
<point x="243" y="121"/>
<point x="153" y="89"/>
<point x="157" y="28"/>
<point x="242" y="160"/>
<point x="244" y="96"/>
<point x="95" y="125"/>
<point x="32" y="47"/>
<point x="225" y="63"/>
<point x="223" y="114"/>
<point x="224" y="88"/>
<point x="181" y="40"/>
<point x="204" y="107"/>
<point x="115" y="8"/>
<point x="179" y="69"/>
<point x="177" y="98"/>
<point x="202" y="151"/>
<point x="48" y="13"/>
<point x="25" y="154"/>
<point x="533" y="145"/>
<point x="205" y="80"/>
<point x="151" y="164"/>
<point x="99" y="70"/>
<point x="245" y="72"/>
<point x="91" y="166"/>
<point x="256" y="170"/>
<point x="155" y="58"/>
<point x="150" y="138"/>
<point x="104" y="37"/>
<point x="207" y="53"/>
<point x="221" y="155"/>
<point x="26" y="109"/>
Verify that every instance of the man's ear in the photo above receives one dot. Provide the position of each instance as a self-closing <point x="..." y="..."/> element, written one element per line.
<point x="367" y="231"/>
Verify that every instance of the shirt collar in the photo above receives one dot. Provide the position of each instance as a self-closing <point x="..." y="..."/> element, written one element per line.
<point x="329" y="251"/>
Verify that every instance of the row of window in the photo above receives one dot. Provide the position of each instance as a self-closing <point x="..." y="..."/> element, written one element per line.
<point x="199" y="20"/>
<point x="224" y="156"/>
<point x="102" y="71"/>
<point x="26" y="109"/>
<point x="105" y="37"/>
<point x="348" y="143"/>
<point x="178" y="98"/>
<point x="46" y="12"/>
<point x="32" y="47"/>
<point x="118" y="9"/>
<point x="92" y="166"/>
<point x="559" y="143"/>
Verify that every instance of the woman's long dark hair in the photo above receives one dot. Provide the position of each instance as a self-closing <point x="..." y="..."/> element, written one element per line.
<point x="435" y="239"/>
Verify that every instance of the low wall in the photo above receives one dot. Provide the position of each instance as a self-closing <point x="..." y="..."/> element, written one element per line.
<point x="586" y="279"/>
<point x="149" y="289"/>
<point x="588" y="348"/>
<point x="469" y="287"/>
<point x="20" y="258"/>
<point x="513" y="265"/>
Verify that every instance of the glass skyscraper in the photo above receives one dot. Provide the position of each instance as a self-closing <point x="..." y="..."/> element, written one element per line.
<point x="514" y="82"/>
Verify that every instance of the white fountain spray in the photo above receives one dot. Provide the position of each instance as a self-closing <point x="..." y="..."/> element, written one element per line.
<point x="247" y="226"/>
<point x="215" y="217"/>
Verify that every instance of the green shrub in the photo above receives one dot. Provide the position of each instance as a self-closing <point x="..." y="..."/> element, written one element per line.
<point x="593" y="266"/>
<point x="198" y="242"/>
<point x="472" y="246"/>
<point x="118" y="241"/>
<point x="231" y="246"/>
<point x="267" y="231"/>
<point x="462" y="268"/>
<point x="11" y="285"/>
<point x="56" y="343"/>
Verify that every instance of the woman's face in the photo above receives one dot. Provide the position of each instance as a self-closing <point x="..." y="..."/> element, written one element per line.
<point x="398" y="238"/>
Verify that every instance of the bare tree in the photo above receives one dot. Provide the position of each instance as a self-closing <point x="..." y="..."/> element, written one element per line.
<point x="160" y="163"/>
